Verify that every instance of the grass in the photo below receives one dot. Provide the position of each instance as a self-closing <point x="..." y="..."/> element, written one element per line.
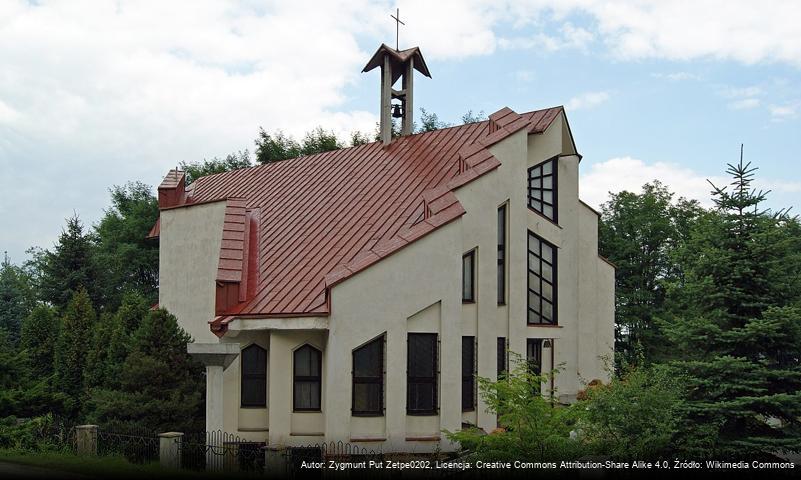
<point x="106" y="466"/>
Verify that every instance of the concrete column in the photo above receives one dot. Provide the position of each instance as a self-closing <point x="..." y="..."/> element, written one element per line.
<point x="214" y="398"/>
<point x="86" y="439"/>
<point x="170" y="449"/>
<point x="408" y="99"/>
<point x="385" y="125"/>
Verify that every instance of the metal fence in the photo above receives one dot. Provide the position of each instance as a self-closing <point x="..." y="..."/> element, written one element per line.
<point x="136" y="445"/>
<point x="325" y="452"/>
<point x="221" y="451"/>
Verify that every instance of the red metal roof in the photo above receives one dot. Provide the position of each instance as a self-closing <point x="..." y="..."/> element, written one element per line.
<point x="319" y="219"/>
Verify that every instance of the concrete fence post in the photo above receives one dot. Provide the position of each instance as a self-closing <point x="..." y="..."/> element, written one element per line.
<point x="86" y="439"/>
<point x="170" y="449"/>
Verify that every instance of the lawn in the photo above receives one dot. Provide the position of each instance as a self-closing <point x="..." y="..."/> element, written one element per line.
<point x="106" y="466"/>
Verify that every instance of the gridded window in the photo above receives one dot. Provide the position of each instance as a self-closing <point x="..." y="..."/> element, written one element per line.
<point x="501" y="355"/>
<point x="502" y="255"/>
<point x="541" y="281"/>
<point x="307" y="375"/>
<point x="468" y="276"/>
<point x="421" y="374"/>
<point x="254" y="377"/>
<point x="542" y="189"/>
<point x="368" y="379"/>
<point x="468" y="374"/>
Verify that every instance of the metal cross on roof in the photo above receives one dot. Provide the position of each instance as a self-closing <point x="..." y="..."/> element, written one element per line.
<point x="398" y="23"/>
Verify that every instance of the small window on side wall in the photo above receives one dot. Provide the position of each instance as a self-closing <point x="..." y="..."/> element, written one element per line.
<point x="468" y="277"/>
<point x="421" y="374"/>
<point x="542" y="191"/>
<point x="368" y="379"/>
<point x="307" y="365"/>
<point x="254" y="377"/>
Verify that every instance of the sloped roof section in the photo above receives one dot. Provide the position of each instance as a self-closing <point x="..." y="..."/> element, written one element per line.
<point x="398" y="58"/>
<point x="322" y="218"/>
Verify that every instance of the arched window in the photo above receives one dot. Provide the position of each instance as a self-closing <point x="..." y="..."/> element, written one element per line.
<point x="368" y="379"/>
<point x="254" y="377"/>
<point x="307" y="367"/>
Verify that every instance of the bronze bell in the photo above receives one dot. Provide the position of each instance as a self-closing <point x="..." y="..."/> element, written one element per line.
<point x="397" y="111"/>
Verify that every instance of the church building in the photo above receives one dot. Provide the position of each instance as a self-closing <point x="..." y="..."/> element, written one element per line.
<point x="356" y="295"/>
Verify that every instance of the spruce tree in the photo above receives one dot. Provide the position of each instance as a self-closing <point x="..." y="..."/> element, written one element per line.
<point x="69" y="266"/>
<point x="74" y="341"/>
<point x="40" y="332"/>
<point x="16" y="298"/>
<point x="736" y="333"/>
<point x="161" y="386"/>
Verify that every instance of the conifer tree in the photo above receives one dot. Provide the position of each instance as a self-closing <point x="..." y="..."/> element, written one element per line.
<point x="736" y="333"/>
<point x="161" y="386"/>
<point x="69" y="266"/>
<point x="40" y="332"/>
<point x="77" y="326"/>
<point x="16" y="298"/>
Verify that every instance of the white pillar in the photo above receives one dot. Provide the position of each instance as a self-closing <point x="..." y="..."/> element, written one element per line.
<point x="214" y="398"/>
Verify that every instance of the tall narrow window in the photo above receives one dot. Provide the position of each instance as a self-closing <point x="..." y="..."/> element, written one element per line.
<point x="541" y="281"/>
<point x="468" y="276"/>
<point x="501" y="355"/>
<point x="468" y="374"/>
<point x="502" y="255"/>
<point x="308" y="379"/>
<point x="368" y="379"/>
<point x="542" y="194"/>
<point x="534" y="358"/>
<point x="254" y="377"/>
<point x="421" y="374"/>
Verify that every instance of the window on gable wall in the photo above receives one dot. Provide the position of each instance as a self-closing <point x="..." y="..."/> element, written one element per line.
<point x="468" y="276"/>
<point x="502" y="255"/>
<point x="542" y="193"/>
<point x="254" y="377"/>
<point x="368" y="379"/>
<point x="542" y="281"/>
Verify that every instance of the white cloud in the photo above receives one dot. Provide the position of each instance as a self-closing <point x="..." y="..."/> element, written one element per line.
<point x="783" y="112"/>
<point x="745" y="104"/>
<point x="677" y="76"/>
<point x="626" y="173"/>
<point x="741" y="92"/>
<point x="587" y="100"/>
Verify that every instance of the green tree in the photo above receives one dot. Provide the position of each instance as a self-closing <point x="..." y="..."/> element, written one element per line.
<point x="40" y="333"/>
<point x="232" y="161"/>
<point x="160" y="385"/>
<point x="275" y="147"/>
<point x="69" y="267"/>
<point x="736" y="327"/>
<point x="124" y="258"/>
<point x="358" y="138"/>
<point x="77" y="326"/>
<point x="639" y="233"/>
<point x="319" y="141"/>
<point x="429" y="121"/>
<point x="17" y="298"/>
<point x="471" y="117"/>
<point x="532" y="426"/>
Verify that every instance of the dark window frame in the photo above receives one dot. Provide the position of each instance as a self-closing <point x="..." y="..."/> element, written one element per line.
<point x="534" y="345"/>
<point x="318" y="379"/>
<point x="502" y="221"/>
<point x="433" y="381"/>
<point x="501" y="358"/>
<point x="469" y="376"/>
<point x="382" y="340"/>
<point x="553" y="283"/>
<point x="554" y="190"/>
<point x="471" y="297"/>
<point x="246" y="377"/>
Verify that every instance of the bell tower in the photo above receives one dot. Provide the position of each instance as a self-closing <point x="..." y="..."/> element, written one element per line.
<point x="396" y="64"/>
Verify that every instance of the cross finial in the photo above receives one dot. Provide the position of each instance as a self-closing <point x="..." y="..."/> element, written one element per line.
<point x="398" y="23"/>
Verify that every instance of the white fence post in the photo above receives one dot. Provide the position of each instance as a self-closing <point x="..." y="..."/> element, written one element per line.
<point x="170" y="449"/>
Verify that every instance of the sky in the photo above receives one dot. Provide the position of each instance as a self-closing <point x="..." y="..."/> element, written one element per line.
<point x="98" y="93"/>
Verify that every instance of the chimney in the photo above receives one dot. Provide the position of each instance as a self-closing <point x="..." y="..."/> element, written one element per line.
<point x="394" y="65"/>
<point x="172" y="190"/>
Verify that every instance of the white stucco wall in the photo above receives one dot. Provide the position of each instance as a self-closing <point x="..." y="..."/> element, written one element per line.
<point x="418" y="289"/>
